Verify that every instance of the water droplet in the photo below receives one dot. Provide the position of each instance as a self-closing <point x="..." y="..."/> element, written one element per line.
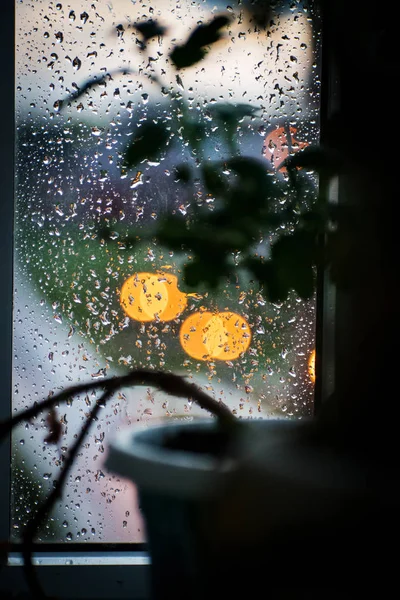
<point x="77" y="63"/>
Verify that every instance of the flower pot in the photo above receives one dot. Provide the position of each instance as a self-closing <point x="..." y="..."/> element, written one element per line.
<point x="278" y="514"/>
<point x="176" y="488"/>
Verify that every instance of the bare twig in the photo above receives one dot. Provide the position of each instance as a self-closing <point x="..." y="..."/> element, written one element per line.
<point x="167" y="382"/>
<point x="34" y="525"/>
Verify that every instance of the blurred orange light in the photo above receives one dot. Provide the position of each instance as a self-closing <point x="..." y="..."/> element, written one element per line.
<point x="151" y="296"/>
<point x="221" y="336"/>
<point x="311" y="366"/>
<point x="276" y="146"/>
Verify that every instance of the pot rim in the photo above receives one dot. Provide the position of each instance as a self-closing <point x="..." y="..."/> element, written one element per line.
<point x="139" y="457"/>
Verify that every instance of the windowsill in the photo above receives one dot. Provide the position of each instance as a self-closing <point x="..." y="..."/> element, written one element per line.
<point x="83" y="558"/>
<point x="123" y="575"/>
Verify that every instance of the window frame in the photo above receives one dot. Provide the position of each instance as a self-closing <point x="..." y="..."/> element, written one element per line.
<point x="111" y="572"/>
<point x="116" y="571"/>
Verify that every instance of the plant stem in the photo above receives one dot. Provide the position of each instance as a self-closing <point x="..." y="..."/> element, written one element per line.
<point x="34" y="525"/>
<point x="169" y="383"/>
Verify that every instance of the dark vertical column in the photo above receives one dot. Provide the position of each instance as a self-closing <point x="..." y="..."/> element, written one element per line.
<point x="6" y="242"/>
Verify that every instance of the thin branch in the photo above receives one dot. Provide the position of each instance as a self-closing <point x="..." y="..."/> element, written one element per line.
<point x="34" y="525"/>
<point x="167" y="382"/>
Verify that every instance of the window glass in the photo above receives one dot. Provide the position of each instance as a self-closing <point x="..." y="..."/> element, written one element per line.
<point x="87" y="307"/>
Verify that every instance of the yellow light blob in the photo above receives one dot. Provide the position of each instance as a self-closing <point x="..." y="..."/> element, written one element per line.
<point x="193" y="334"/>
<point x="238" y="336"/>
<point x="311" y="366"/>
<point x="148" y="297"/>
<point x="221" y="336"/>
<point x="215" y="336"/>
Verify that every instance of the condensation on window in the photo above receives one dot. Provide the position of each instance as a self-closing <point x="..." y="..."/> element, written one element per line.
<point x="87" y="307"/>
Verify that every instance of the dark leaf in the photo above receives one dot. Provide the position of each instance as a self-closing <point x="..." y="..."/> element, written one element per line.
<point x="259" y="11"/>
<point x="194" y="49"/>
<point x="183" y="173"/>
<point x="254" y="186"/>
<point x="55" y="428"/>
<point x="291" y="267"/>
<point x="173" y="232"/>
<point x="269" y="277"/>
<point x="148" y="144"/>
<point x="150" y="29"/>
<point x="198" y="272"/>
<point x="292" y="249"/>
<point x="183" y="56"/>
<point x="192" y="132"/>
<point x="232" y="113"/>
<point x="232" y="239"/>
<point x="294" y="257"/>
<point x="233" y="229"/>
<point x="204" y="35"/>
<point x="249" y="168"/>
<point x="316" y="159"/>
<point x="213" y="178"/>
<point x="302" y="280"/>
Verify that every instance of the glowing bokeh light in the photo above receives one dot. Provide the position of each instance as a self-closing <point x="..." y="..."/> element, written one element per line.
<point x="276" y="146"/>
<point x="221" y="336"/>
<point x="150" y="296"/>
<point x="311" y="366"/>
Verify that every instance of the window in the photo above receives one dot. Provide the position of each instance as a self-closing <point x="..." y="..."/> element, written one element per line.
<point x="73" y="314"/>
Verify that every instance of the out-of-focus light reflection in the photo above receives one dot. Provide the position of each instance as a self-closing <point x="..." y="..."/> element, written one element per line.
<point x="311" y="366"/>
<point x="151" y="296"/>
<point x="277" y="147"/>
<point x="221" y="336"/>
